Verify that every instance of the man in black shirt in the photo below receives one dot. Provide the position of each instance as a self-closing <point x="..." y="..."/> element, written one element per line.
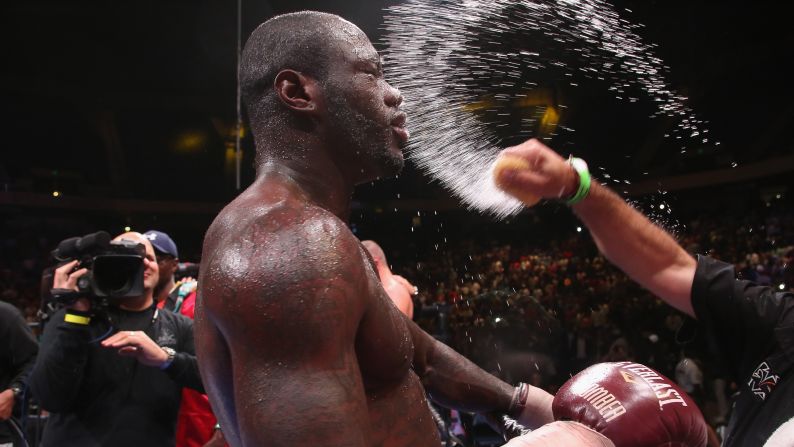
<point x="750" y="328"/>
<point x="18" y="348"/>
<point x="114" y="381"/>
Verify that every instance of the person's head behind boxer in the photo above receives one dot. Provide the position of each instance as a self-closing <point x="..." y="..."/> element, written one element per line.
<point x="313" y="81"/>
<point x="376" y="252"/>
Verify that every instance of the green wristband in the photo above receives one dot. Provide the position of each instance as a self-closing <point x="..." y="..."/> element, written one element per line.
<point x="584" y="180"/>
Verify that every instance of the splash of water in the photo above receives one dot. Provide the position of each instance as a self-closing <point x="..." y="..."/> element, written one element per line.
<point x="444" y="55"/>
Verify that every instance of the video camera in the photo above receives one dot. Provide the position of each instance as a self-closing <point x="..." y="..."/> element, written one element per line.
<point x="115" y="268"/>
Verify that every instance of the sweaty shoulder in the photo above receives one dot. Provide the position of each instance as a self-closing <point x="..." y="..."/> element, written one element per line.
<point x="265" y="252"/>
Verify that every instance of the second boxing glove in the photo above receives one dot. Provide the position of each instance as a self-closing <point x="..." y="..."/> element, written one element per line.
<point x="632" y="405"/>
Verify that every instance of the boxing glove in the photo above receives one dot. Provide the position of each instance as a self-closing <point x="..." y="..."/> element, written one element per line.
<point x="632" y="405"/>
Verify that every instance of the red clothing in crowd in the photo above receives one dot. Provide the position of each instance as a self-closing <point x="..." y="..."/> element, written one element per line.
<point x="195" y="422"/>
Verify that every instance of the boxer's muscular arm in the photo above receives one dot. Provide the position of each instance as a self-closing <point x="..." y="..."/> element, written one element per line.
<point x="648" y="254"/>
<point x="454" y="381"/>
<point x="285" y="296"/>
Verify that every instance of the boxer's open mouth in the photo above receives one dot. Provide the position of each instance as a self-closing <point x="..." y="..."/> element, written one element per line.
<point x="401" y="132"/>
<point x="398" y="126"/>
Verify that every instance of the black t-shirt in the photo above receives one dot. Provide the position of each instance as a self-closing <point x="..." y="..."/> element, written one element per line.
<point x="97" y="397"/>
<point x="18" y="348"/>
<point x="750" y="329"/>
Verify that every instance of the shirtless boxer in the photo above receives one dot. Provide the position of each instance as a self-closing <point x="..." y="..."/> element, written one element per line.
<point x="298" y="343"/>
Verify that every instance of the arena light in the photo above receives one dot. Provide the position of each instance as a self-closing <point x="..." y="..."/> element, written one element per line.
<point x="782" y="287"/>
<point x="191" y="141"/>
<point x="127" y="229"/>
<point x="56" y="193"/>
<point x="578" y="229"/>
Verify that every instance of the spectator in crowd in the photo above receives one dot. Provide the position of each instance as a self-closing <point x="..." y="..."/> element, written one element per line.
<point x="751" y="327"/>
<point x="114" y="377"/>
<point x="168" y="263"/>
<point x="788" y="270"/>
<point x="18" y="350"/>
<point x="196" y="423"/>
<point x="689" y="376"/>
<point x="399" y="289"/>
<point x="619" y="351"/>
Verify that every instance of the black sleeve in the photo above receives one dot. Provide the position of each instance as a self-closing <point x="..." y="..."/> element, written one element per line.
<point x="21" y="344"/>
<point x="58" y="371"/>
<point x="184" y="369"/>
<point x="739" y="316"/>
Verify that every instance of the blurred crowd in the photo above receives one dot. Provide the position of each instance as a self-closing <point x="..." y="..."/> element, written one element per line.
<point x="539" y="313"/>
<point x="22" y="260"/>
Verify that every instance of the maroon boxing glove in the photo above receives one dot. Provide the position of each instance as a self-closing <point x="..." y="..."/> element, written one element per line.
<point x="632" y="405"/>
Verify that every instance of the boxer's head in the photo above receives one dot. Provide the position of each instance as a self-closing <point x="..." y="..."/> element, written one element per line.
<point x="315" y="77"/>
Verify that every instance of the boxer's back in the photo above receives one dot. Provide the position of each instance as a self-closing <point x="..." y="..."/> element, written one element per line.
<point x="297" y="342"/>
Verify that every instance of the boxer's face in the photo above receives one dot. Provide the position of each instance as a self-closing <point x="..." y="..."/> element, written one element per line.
<point x="362" y="107"/>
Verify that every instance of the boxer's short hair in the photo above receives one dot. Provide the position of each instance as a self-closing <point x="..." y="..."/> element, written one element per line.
<point x="297" y="41"/>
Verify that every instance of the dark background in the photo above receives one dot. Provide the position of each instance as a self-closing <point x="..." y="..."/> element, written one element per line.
<point x="128" y="110"/>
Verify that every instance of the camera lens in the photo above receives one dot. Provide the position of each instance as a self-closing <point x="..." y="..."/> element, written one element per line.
<point x="117" y="275"/>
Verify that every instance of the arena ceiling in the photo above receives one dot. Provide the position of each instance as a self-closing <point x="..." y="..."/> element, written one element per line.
<point x="136" y="100"/>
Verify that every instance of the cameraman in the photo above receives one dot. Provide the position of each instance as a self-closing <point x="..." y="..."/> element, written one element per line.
<point x="114" y="379"/>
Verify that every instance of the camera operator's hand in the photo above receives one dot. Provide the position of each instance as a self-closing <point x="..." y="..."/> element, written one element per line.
<point x="137" y="344"/>
<point x="65" y="278"/>
<point x="6" y="404"/>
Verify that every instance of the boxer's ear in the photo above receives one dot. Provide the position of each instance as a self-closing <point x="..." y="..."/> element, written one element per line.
<point x="297" y="91"/>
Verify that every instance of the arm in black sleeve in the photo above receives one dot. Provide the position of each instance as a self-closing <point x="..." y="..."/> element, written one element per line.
<point x="740" y="317"/>
<point x="184" y="369"/>
<point x="58" y="371"/>
<point x="22" y="348"/>
<point x="728" y="304"/>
